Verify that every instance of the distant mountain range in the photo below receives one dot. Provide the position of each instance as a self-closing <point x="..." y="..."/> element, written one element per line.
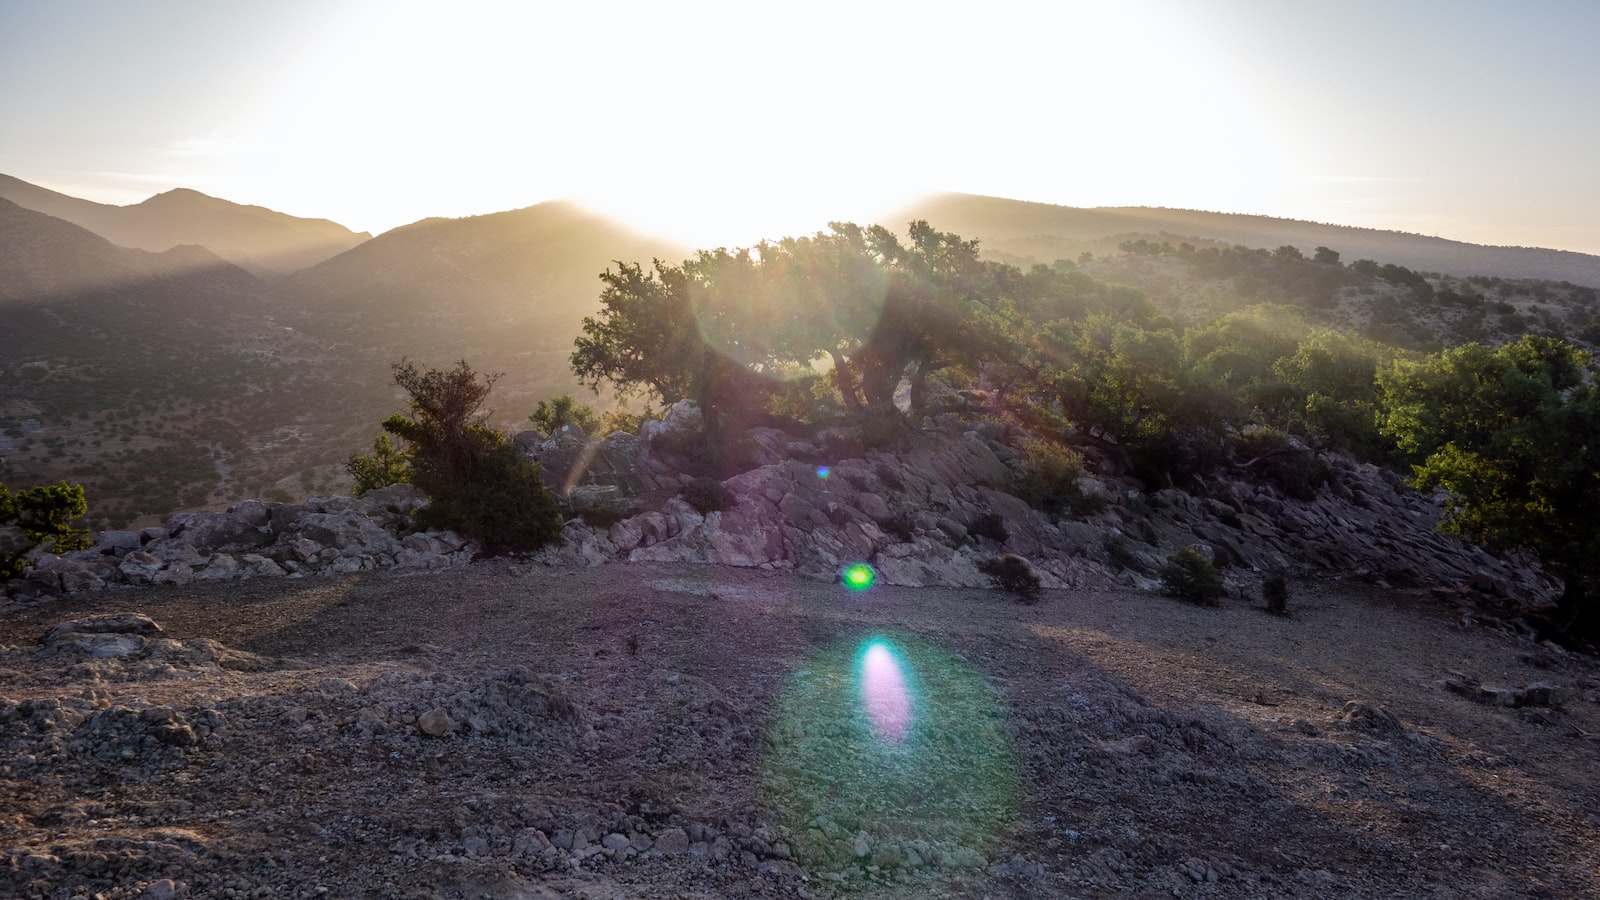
<point x="187" y="350"/>
<point x="1043" y="233"/>
<point x="256" y="239"/>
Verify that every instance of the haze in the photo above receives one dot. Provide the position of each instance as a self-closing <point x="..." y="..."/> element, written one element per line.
<point x="725" y="123"/>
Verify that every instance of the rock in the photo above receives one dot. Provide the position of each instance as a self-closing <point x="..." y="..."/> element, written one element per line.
<point x="105" y="623"/>
<point x="1367" y="717"/>
<point x="116" y="543"/>
<point x="672" y="841"/>
<point x="139" y="567"/>
<point x="435" y="723"/>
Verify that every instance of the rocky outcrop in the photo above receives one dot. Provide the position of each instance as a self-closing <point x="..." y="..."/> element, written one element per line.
<point x="254" y="539"/>
<point x="931" y="513"/>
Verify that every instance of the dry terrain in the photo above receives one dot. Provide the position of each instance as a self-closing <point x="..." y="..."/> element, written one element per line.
<point x="513" y="730"/>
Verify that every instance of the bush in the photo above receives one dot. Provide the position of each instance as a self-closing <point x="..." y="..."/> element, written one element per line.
<point x="1014" y="574"/>
<point x="1049" y="480"/>
<point x="707" y="495"/>
<point x="1275" y="590"/>
<point x="1190" y="576"/>
<point x="553" y="415"/>
<point x="477" y="481"/>
<point x="37" y="516"/>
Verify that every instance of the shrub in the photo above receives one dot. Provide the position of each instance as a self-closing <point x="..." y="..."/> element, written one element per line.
<point x="991" y="526"/>
<point x="1013" y="574"/>
<point x="1049" y="480"/>
<point x="707" y="495"/>
<point x="1190" y="576"/>
<point x="477" y="481"/>
<point x="553" y="415"/>
<point x="385" y="465"/>
<point x="1275" y="590"/>
<point x="37" y="516"/>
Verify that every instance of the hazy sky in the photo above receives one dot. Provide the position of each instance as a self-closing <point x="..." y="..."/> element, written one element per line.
<point x="727" y="122"/>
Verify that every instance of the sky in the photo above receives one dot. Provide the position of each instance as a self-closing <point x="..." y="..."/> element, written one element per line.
<point x="724" y="123"/>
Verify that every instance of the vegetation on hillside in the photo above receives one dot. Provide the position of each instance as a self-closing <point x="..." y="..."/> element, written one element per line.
<point x="832" y="326"/>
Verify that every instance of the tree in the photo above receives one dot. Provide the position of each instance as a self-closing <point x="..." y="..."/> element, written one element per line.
<point x="1513" y="434"/>
<point x="648" y="338"/>
<point x="476" y="479"/>
<point x="40" y="515"/>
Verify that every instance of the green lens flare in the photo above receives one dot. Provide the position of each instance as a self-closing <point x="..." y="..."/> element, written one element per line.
<point x="894" y="748"/>
<point x="858" y="576"/>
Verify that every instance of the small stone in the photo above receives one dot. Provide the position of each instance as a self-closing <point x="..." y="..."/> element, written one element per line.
<point x="434" y="723"/>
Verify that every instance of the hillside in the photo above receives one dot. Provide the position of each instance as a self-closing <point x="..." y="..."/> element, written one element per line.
<point x="159" y="380"/>
<point x="1039" y="232"/>
<point x="506" y="291"/>
<point x="262" y="241"/>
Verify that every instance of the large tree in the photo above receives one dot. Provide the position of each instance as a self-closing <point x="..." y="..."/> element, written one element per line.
<point x="724" y="325"/>
<point x="1513" y="433"/>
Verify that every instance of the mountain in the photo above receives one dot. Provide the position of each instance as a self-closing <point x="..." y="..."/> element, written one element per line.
<point x="259" y="240"/>
<point x="506" y="291"/>
<point x="160" y="380"/>
<point x="1040" y="232"/>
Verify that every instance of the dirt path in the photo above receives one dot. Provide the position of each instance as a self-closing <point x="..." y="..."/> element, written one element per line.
<point x="648" y="731"/>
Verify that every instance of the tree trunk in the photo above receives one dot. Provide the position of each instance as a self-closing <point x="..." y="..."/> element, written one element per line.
<point x="845" y="384"/>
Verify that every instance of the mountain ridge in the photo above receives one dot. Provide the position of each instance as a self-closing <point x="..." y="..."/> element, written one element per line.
<point x="263" y="241"/>
<point x="1031" y="230"/>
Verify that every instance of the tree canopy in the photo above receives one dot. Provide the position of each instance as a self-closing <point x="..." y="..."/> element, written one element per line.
<point x="1513" y="433"/>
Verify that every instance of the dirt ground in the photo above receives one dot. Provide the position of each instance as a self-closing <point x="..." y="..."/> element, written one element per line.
<point x="512" y="730"/>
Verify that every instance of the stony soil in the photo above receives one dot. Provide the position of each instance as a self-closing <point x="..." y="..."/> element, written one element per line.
<point x="513" y="730"/>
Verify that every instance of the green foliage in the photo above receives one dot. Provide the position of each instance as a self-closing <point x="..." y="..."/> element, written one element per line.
<point x="1511" y="434"/>
<point x="476" y="480"/>
<point x="1190" y="576"/>
<point x="1013" y="574"/>
<point x="44" y="516"/>
<point x="1049" y="480"/>
<point x="385" y="465"/>
<point x="553" y="415"/>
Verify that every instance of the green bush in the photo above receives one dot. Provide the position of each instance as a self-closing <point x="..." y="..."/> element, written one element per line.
<point x="1013" y="574"/>
<point x="1190" y="576"/>
<point x="477" y="481"/>
<point x="42" y="515"/>
<point x="1049" y="479"/>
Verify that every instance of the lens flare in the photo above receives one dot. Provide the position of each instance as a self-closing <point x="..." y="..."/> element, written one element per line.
<point x="823" y="472"/>
<point x="896" y="738"/>
<point x="884" y="693"/>
<point x="858" y="576"/>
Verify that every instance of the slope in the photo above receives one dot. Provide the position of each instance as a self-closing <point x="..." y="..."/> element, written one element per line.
<point x="1041" y="232"/>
